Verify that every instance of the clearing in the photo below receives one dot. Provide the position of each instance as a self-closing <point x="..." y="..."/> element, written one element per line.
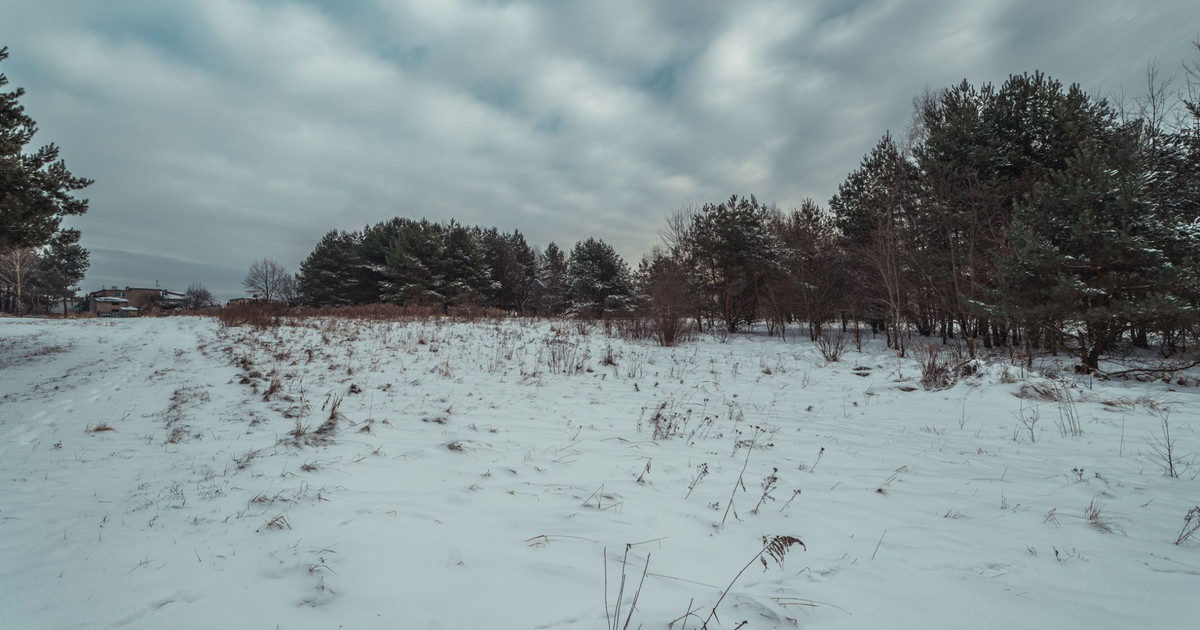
<point x="494" y="474"/>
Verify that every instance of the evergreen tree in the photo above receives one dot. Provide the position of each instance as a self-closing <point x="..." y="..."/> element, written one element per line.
<point x="375" y="244"/>
<point x="412" y="271"/>
<point x="598" y="281"/>
<point x="514" y="270"/>
<point x="35" y="188"/>
<point x="333" y="274"/>
<point x="956" y="221"/>
<point x="983" y="151"/>
<point x="1091" y="255"/>
<point x="63" y="264"/>
<point x="522" y="273"/>
<point x="464" y="267"/>
<point x="874" y="209"/>
<point x="730" y="253"/>
<point x="811" y="268"/>
<point x="551" y="281"/>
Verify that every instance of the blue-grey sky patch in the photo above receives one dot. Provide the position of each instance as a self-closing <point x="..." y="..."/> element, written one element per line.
<point x="223" y="131"/>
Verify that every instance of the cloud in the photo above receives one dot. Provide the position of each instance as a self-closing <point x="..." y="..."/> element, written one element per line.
<point x="223" y="131"/>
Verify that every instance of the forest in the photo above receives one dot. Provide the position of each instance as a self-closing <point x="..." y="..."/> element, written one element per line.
<point x="1028" y="216"/>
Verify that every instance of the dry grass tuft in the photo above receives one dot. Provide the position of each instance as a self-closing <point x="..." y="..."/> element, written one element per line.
<point x="275" y="388"/>
<point x="1040" y="390"/>
<point x="1094" y="513"/>
<point x="278" y="523"/>
<point x="936" y="372"/>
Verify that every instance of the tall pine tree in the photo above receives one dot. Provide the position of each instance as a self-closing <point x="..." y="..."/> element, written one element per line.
<point x="36" y="189"/>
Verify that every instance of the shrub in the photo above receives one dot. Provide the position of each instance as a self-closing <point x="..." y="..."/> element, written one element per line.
<point x="832" y="346"/>
<point x="936" y="373"/>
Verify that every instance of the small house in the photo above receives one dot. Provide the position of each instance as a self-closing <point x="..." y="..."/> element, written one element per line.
<point x="107" y="306"/>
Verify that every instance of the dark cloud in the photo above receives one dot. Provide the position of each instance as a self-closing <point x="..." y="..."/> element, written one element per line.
<point x="221" y="131"/>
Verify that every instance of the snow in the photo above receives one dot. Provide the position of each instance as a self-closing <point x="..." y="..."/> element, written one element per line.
<point x="490" y="474"/>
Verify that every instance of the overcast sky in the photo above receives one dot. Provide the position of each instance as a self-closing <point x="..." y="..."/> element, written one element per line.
<point x="222" y="131"/>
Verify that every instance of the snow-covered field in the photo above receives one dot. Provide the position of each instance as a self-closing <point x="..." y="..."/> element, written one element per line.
<point x="450" y="475"/>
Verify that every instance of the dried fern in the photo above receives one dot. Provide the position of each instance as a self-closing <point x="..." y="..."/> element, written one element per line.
<point x="776" y="547"/>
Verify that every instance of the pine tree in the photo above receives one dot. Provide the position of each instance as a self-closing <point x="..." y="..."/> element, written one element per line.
<point x="412" y="271"/>
<point x="551" y="281"/>
<point x="35" y="188"/>
<point x="374" y="246"/>
<point x="981" y="152"/>
<point x="523" y="274"/>
<point x="874" y="209"/>
<point x="63" y="264"/>
<point x="598" y="280"/>
<point x="811" y="268"/>
<point x="731" y="252"/>
<point x="464" y="268"/>
<point x="1091" y="255"/>
<point x="332" y="275"/>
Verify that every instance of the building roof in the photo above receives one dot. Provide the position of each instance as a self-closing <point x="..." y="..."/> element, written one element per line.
<point x="114" y="300"/>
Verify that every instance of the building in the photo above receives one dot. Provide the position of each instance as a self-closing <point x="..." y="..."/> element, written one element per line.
<point x="173" y="301"/>
<point x="108" y="306"/>
<point x="106" y="302"/>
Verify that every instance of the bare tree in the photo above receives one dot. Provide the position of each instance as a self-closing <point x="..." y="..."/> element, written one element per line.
<point x="289" y="289"/>
<point x="197" y="297"/>
<point x="266" y="278"/>
<point x="18" y="271"/>
<point x="662" y="280"/>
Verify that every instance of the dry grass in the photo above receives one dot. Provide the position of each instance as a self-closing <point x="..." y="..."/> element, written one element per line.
<point x="1048" y="391"/>
<point x="243" y="461"/>
<point x="1094" y="513"/>
<point x="271" y="315"/>
<point x="275" y="388"/>
<point x="278" y="523"/>
<point x="936" y="372"/>
<point x="256" y="315"/>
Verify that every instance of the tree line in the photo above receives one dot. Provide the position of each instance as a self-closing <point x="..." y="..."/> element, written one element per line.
<point x="410" y="261"/>
<point x="1028" y="215"/>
